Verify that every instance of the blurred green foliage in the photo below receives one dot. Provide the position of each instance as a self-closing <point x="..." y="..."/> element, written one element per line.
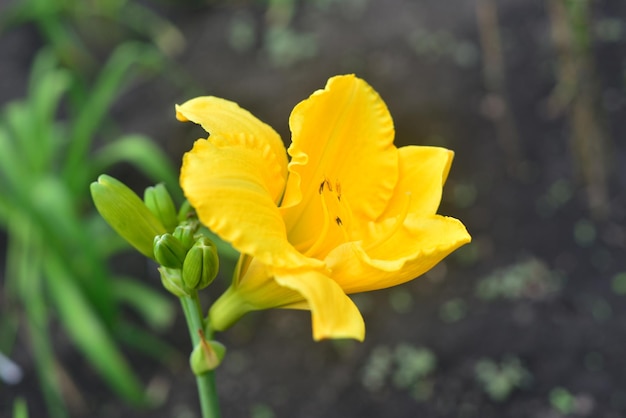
<point x="408" y="367"/>
<point x="20" y="409"/>
<point x="562" y="400"/>
<point x="528" y="279"/>
<point x="77" y="30"/>
<point x="58" y="247"/>
<point x="499" y="380"/>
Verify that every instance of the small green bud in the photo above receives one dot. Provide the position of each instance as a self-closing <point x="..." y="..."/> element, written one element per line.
<point x="201" y="264"/>
<point x="160" y="203"/>
<point x="126" y="213"/>
<point x="185" y="211"/>
<point x="169" y="251"/>
<point x="186" y="234"/>
<point x="206" y="356"/>
<point x="172" y="281"/>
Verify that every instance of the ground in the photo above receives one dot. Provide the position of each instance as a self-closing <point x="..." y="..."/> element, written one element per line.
<point x="527" y="321"/>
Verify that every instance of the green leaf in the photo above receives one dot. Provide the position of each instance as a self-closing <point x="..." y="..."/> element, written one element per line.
<point x="145" y="155"/>
<point x="144" y="20"/>
<point x="108" y="242"/>
<point x="24" y="269"/>
<point x="154" y="307"/>
<point x="64" y="233"/>
<point x="89" y="333"/>
<point x="103" y="93"/>
<point x="20" y="408"/>
<point x="12" y="171"/>
<point x="47" y="85"/>
<point x="148" y="343"/>
<point x="21" y="129"/>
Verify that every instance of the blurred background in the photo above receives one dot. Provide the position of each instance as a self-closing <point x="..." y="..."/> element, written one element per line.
<point x="527" y="321"/>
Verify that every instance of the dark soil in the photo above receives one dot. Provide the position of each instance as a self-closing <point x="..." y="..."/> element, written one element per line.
<point x="527" y="211"/>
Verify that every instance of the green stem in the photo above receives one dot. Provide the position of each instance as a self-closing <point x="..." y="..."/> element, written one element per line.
<point x="207" y="389"/>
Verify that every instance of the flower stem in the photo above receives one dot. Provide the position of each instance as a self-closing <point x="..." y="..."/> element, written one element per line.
<point x="207" y="389"/>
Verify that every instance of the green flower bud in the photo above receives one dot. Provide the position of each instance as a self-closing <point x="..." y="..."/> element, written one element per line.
<point x="201" y="264"/>
<point x="126" y="213"/>
<point x="172" y="281"/>
<point x="160" y="203"/>
<point x="185" y="211"/>
<point x="206" y="356"/>
<point x="186" y="234"/>
<point x="169" y="251"/>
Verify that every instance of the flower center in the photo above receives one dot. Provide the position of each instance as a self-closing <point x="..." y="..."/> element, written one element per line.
<point x="337" y="219"/>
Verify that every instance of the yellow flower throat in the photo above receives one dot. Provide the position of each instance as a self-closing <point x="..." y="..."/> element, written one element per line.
<point x="337" y="219"/>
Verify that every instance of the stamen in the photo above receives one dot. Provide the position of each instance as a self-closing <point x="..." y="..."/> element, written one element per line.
<point x="334" y="210"/>
<point x="338" y="188"/>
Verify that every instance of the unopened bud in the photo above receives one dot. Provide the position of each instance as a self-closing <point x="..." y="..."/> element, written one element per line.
<point x="185" y="234"/>
<point x="201" y="265"/>
<point x="126" y="213"/>
<point x="172" y="281"/>
<point x="206" y="356"/>
<point x="185" y="211"/>
<point x="160" y="203"/>
<point x="169" y="251"/>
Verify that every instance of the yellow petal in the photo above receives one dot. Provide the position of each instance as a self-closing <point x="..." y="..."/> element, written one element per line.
<point x="411" y="251"/>
<point x="233" y="183"/>
<point x="344" y="135"/>
<point x="423" y="172"/>
<point x="223" y="117"/>
<point x="333" y="313"/>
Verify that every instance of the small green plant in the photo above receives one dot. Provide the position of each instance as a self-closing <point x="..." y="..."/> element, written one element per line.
<point x="499" y="380"/>
<point x="562" y="400"/>
<point x="618" y="283"/>
<point x="530" y="279"/>
<point x="401" y="300"/>
<point x="262" y="411"/>
<point x="56" y="266"/>
<point x="281" y="43"/>
<point x="453" y="310"/>
<point x="407" y="366"/>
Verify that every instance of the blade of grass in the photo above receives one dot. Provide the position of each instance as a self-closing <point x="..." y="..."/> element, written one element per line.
<point x="12" y="168"/>
<point x="154" y="307"/>
<point x="149" y="344"/>
<point x="46" y="87"/>
<point x="145" y="21"/>
<point x="90" y="116"/>
<point x="90" y="334"/>
<point x="108" y="242"/>
<point x="53" y="208"/>
<point x="67" y="45"/>
<point x="21" y="128"/>
<point x="142" y="153"/>
<point x="20" y="408"/>
<point x="24" y="266"/>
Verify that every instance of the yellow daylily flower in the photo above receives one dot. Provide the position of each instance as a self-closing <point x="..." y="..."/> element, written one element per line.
<point x="348" y="213"/>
